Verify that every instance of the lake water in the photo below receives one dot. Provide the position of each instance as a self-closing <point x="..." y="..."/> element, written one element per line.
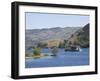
<point x="62" y="59"/>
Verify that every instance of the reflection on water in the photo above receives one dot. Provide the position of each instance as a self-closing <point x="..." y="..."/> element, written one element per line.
<point x="62" y="59"/>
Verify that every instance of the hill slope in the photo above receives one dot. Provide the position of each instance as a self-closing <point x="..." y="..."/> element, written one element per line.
<point x="52" y="36"/>
<point x="80" y="37"/>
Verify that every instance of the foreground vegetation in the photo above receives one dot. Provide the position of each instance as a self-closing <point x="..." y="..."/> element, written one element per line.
<point x="37" y="53"/>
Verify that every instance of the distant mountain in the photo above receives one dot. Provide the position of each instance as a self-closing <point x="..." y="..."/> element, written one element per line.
<point x="51" y="36"/>
<point x="80" y="37"/>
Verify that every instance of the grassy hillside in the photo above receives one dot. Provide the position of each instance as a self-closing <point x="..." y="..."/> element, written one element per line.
<point x="81" y="37"/>
<point x="48" y="36"/>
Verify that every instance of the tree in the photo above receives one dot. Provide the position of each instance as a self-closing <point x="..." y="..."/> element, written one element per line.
<point x="36" y="51"/>
<point x="42" y="45"/>
<point x="65" y="43"/>
<point x="54" y="51"/>
<point x="70" y="43"/>
<point x="61" y="45"/>
<point x="83" y="41"/>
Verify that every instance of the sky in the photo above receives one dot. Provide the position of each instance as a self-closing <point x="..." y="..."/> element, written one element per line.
<point x="48" y="20"/>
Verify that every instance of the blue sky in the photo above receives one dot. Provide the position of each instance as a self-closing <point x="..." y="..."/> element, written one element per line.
<point x="46" y="20"/>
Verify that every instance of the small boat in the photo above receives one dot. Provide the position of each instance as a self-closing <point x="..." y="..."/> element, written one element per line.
<point x="73" y="48"/>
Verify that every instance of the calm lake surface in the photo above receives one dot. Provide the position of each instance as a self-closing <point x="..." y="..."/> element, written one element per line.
<point x="62" y="59"/>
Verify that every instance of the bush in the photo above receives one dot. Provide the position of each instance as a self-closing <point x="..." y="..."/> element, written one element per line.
<point x="55" y="51"/>
<point x="42" y="45"/>
<point x="61" y="45"/>
<point x="36" y="51"/>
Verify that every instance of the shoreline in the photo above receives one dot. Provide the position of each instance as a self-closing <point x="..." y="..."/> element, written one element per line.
<point x="37" y="56"/>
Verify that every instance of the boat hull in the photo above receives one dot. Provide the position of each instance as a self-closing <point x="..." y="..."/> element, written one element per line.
<point x="73" y="49"/>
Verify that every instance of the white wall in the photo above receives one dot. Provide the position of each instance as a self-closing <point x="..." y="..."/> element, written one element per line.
<point x="5" y="40"/>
